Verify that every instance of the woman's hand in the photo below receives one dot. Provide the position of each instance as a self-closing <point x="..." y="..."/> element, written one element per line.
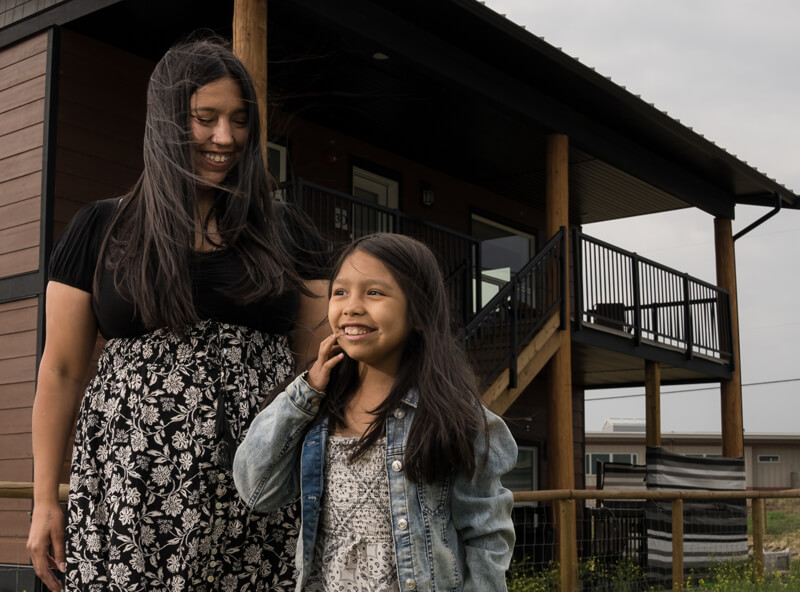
<point x="330" y="354"/>
<point x="46" y="543"/>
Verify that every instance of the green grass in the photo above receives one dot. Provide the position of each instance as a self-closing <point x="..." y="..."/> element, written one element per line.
<point x="624" y="577"/>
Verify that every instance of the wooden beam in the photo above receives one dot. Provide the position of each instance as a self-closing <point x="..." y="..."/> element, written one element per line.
<point x="677" y="545"/>
<point x="759" y="528"/>
<point x="499" y="397"/>
<point x="731" y="390"/>
<point x="250" y="46"/>
<point x="652" y="389"/>
<point x="560" y="458"/>
<point x="567" y="545"/>
<point x="560" y="441"/>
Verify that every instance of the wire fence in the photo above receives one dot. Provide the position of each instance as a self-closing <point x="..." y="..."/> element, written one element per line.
<point x="672" y="540"/>
<point x="632" y="541"/>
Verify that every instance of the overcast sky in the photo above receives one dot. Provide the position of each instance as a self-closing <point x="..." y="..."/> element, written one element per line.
<point x="730" y="70"/>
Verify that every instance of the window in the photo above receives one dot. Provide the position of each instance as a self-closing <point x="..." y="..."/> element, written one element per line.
<point x="618" y="457"/>
<point x="504" y="250"/>
<point x="276" y="165"/>
<point x="362" y="219"/>
<point x="525" y="474"/>
<point x="769" y="458"/>
<point x="375" y="188"/>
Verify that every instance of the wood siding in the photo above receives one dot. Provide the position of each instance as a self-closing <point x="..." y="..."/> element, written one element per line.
<point x="18" y="321"/>
<point x="12" y="11"/>
<point x="23" y="69"/>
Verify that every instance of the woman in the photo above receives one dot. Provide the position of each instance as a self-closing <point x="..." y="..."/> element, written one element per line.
<point x="196" y="280"/>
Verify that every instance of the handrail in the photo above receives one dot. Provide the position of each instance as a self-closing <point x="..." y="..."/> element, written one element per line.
<point x="24" y="490"/>
<point x="502" y="328"/>
<point x="647" y="300"/>
<point x="341" y="218"/>
<point x="549" y="495"/>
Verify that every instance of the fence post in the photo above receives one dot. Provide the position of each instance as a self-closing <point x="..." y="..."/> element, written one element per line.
<point x="759" y="528"/>
<point x="677" y="545"/>
<point x="568" y="560"/>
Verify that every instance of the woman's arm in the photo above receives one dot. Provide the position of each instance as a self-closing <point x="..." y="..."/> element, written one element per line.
<point x="71" y="335"/>
<point x="481" y="510"/>
<point x="312" y="323"/>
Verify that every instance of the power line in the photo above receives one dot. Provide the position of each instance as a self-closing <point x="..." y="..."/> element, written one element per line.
<point x="708" y="388"/>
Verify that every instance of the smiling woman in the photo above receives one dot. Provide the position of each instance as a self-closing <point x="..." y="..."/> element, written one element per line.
<point x="197" y="282"/>
<point x="219" y="129"/>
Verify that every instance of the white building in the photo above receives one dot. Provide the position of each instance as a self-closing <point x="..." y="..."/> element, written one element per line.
<point x="772" y="460"/>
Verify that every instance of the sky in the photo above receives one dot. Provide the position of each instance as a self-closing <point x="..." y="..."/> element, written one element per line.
<point x="729" y="70"/>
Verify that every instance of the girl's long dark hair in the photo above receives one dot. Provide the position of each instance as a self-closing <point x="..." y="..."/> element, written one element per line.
<point x="449" y="413"/>
<point x="151" y="237"/>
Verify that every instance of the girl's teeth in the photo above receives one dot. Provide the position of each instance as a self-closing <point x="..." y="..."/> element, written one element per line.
<point x="355" y="331"/>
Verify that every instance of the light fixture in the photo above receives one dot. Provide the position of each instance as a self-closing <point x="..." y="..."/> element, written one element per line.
<point x="426" y="194"/>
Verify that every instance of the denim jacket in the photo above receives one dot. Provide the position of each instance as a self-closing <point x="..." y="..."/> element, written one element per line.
<point x="455" y="535"/>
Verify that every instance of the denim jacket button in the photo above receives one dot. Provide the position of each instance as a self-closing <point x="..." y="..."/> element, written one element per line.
<point x="397" y="466"/>
<point x="402" y="524"/>
<point x="411" y="584"/>
<point x="399" y="413"/>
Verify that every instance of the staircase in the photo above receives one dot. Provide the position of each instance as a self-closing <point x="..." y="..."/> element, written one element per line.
<point x="512" y="338"/>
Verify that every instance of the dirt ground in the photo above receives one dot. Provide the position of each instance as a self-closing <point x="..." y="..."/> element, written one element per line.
<point x="789" y="540"/>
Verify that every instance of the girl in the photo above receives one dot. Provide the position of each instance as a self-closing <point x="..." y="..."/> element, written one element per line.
<point x="397" y="463"/>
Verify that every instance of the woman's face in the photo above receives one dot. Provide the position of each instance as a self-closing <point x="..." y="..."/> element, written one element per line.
<point x="219" y="128"/>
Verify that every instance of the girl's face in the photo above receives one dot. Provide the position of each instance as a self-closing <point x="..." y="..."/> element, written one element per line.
<point x="368" y="311"/>
<point x="219" y="128"/>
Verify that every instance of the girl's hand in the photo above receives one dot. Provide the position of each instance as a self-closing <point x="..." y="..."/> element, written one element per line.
<point x="329" y="355"/>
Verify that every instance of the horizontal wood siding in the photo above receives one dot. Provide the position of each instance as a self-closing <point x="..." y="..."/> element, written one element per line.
<point x="23" y="69"/>
<point x="18" y="321"/>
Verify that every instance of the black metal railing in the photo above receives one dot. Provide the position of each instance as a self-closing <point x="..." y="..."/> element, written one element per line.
<point x="497" y="334"/>
<point x="341" y="218"/>
<point x="647" y="301"/>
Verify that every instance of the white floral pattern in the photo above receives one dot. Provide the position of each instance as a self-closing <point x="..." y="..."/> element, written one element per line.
<point x="152" y="504"/>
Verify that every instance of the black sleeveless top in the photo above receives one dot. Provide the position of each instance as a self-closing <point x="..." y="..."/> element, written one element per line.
<point x="75" y="257"/>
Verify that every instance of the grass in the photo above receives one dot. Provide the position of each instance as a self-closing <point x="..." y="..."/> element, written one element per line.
<point x="626" y="577"/>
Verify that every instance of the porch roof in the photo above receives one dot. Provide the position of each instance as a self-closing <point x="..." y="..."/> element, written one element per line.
<point x="464" y="90"/>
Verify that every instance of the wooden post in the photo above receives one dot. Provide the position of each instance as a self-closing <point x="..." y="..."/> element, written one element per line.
<point x="250" y="46"/>
<point x="677" y="545"/>
<point x="759" y="528"/>
<point x="560" y="443"/>
<point x="652" y="388"/>
<point x="731" y="390"/>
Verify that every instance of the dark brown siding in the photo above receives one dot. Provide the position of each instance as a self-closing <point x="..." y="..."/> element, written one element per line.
<point x="22" y="90"/>
<point x="101" y="107"/>
<point x="16" y="10"/>
<point x="17" y="367"/>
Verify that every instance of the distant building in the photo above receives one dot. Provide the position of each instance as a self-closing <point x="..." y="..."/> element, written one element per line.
<point x="772" y="461"/>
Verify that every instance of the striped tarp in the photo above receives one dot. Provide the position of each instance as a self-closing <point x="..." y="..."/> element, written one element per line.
<point x="714" y="530"/>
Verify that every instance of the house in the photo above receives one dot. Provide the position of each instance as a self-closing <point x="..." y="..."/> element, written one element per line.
<point x="771" y="460"/>
<point x="443" y="120"/>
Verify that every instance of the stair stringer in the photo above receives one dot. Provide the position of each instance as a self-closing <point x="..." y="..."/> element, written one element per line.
<point x="498" y="397"/>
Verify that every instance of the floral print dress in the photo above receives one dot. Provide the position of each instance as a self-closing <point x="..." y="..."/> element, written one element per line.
<point x="152" y="503"/>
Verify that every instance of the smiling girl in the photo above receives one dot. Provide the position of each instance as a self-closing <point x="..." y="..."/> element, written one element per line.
<point x="386" y="441"/>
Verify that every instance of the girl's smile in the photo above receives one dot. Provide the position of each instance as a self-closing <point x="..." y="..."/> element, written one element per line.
<point x="368" y="312"/>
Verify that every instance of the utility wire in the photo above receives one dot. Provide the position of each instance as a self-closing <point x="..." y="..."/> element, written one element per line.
<point x="708" y="388"/>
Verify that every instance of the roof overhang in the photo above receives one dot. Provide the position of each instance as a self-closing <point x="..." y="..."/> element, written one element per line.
<point x="463" y="90"/>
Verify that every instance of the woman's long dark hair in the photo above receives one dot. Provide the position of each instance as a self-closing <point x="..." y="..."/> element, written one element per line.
<point x="449" y="413"/>
<point x="150" y="240"/>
